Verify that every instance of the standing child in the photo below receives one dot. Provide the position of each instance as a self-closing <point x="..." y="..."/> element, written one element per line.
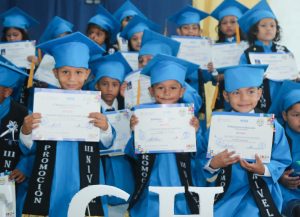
<point x="242" y="91"/>
<point x="103" y="29"/>
<point x="261" y="26"/>
<point x="167" y="87"/>
<point x="287" y="103"/>
<point x="66" y="175"/>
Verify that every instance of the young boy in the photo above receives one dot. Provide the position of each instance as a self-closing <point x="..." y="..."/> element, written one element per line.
<point x="66" y="174"/>
<point x="167" y="80"/>
<point x="11" y="119"/>
<point x="287" y="105"/>
<point x="242" y="91"/>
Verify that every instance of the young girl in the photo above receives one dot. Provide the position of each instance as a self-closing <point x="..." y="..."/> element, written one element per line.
<point x="167" y="80"/>
<point x="103" y="29"/>
<point x="241" y="179"/>
<point x="227" y="13"/>
<point x="133" y="32"/>
<point x="287" y="105"/>
<point x="65" y="173"/>
<point x="261" y="26"/>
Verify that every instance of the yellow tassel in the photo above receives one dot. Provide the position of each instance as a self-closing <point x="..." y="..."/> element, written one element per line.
<point x="30" y="79"/>
<point x="29" y="215"/>
<point x="237" y="33"/>
<point x="213" y="103"/>
<point x="126" y="214"/>
<point x="39" y="55"/>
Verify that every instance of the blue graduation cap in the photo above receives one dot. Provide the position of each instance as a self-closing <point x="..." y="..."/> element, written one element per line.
<point x="243" y="76"/>
<point x="163" y="67"/>
<point x="106" y="21"/>
<point x="127" y="9"/>
<point x="15" y="17"/>
<point x="72" y="50"/>
<point x="188" y="15"/>
<point x="56" y="27"/>
<point x="288" y="95"/>
<point x="260" y="11"/>
<point x="229" y="8"/>
<point x="138" y="24"/>
<point x="113" y="66"/>
<point x="154" y="43"/>
<point x="9" y="73"/>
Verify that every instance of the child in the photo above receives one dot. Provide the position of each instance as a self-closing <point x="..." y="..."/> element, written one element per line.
<point x="287" y="102"/>
<point x="65" y="178"/>
<point x="167" y="80"/>
<point x="133" y="32"/>
<point x="57" y="27"/>
<point x="124" y="14"/>
<point x="109" y="75"/>
<point x="242" y="91"/>
<point x="103" y="29"/>
<point x="263" y="31"/>
<point x="227" y="13"/>
<point x="11" y="119"/>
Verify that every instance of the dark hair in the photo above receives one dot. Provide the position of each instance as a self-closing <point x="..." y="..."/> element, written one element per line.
<point x="107" y="35"/>
<point x="290" y="108"/>
<point x="24" y="33"/>
<point x="252" y="34"/>
<point x="222" y="37"/>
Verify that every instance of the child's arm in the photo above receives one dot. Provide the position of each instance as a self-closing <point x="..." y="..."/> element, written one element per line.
<point x="129" y="150"/>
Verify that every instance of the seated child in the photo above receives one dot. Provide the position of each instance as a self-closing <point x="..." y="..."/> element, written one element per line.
<point x="243" y="91"/>
<point x="66" y="173"/>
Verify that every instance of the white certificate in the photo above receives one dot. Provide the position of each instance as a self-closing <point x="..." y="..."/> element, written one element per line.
<point x="7" y="196"/>
<point x="246" y="134"/>
<point x="65" y="115"/>
<point x="282" y="66"/>
<point x="17" y="52"/>
<point x="137" y="91"/>
<point x="227" y="54"/>
<point x="164" y="128"/>
<point x="132" y="58"/>
<point x="120" y="121"/>
<point x="44" y="71"/>
<point x="194" y="49"/>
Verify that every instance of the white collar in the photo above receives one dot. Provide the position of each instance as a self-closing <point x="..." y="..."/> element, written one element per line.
<point x="105" y="106"/>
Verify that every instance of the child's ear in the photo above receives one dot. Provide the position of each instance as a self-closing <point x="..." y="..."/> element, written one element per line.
<point x="284" y="115"/>
<point x="88" y="71"/>
<point x="178" y="31"/>
<point x="7" y="92"/>
<point x="55" y="71"/>
<point x="226" y="96"/>
<point x="151" y="91"/>
<point x="182" y="91"/>
<point x="259" y="93"/>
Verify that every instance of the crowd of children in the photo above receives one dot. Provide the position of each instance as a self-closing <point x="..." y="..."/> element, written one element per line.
<point x="93" y="61"/>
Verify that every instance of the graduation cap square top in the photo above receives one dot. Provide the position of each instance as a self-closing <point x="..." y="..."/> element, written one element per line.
<point x="154" y="43"/>
<point x="260" y="11"/>
<point x="287" y="96"/>
<point x="243" y="76"/>
<point x="229" y="8"/>
<point x="127" y="9"/>
<point x="105" y="20"/>
<point x="72" y="50"/>
<point x="163" y="67"/>
<point x="113" y="66"/>
<point x="9" y="73"/>
<point x="56" y="27"/>
<point x="188" y="15"/>
<point x="15" y="17"/>
<point x="138" y="24"/>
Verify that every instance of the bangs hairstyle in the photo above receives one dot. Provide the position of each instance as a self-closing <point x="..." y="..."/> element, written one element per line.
<point x="222" y="36"/>
<point x="252" y="34"/>
<point x="24" y="33"/>
<point x="107" y="35"/>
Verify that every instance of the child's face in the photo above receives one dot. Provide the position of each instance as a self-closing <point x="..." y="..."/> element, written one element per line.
<point x="96" y="34"/>
<point x="292" y="117"/>
<point x="189" y="30"/>
<point x="125" y="21"/>
<point x="167" y="92"/>
<point x="143" y="60"/>
<point x="228" y="26"/>
<point x="243" y="100"/>
<point x="71" y="78"/>
<point x="4" y="93"/>
<point x="136" y="41"/>
<point x="266" y="30"/>
<point x="13" y="34"/>
<point x="109" y="88"/>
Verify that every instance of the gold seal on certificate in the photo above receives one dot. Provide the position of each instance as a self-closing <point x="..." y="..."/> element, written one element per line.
<point x="246" y="134"/>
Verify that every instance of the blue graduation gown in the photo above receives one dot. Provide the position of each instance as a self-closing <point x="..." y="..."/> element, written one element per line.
<point x="238" y="200"/>
<point x="164" y="173"/>
<point x="292" y="194"/>
<point x="66" y="177"/>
